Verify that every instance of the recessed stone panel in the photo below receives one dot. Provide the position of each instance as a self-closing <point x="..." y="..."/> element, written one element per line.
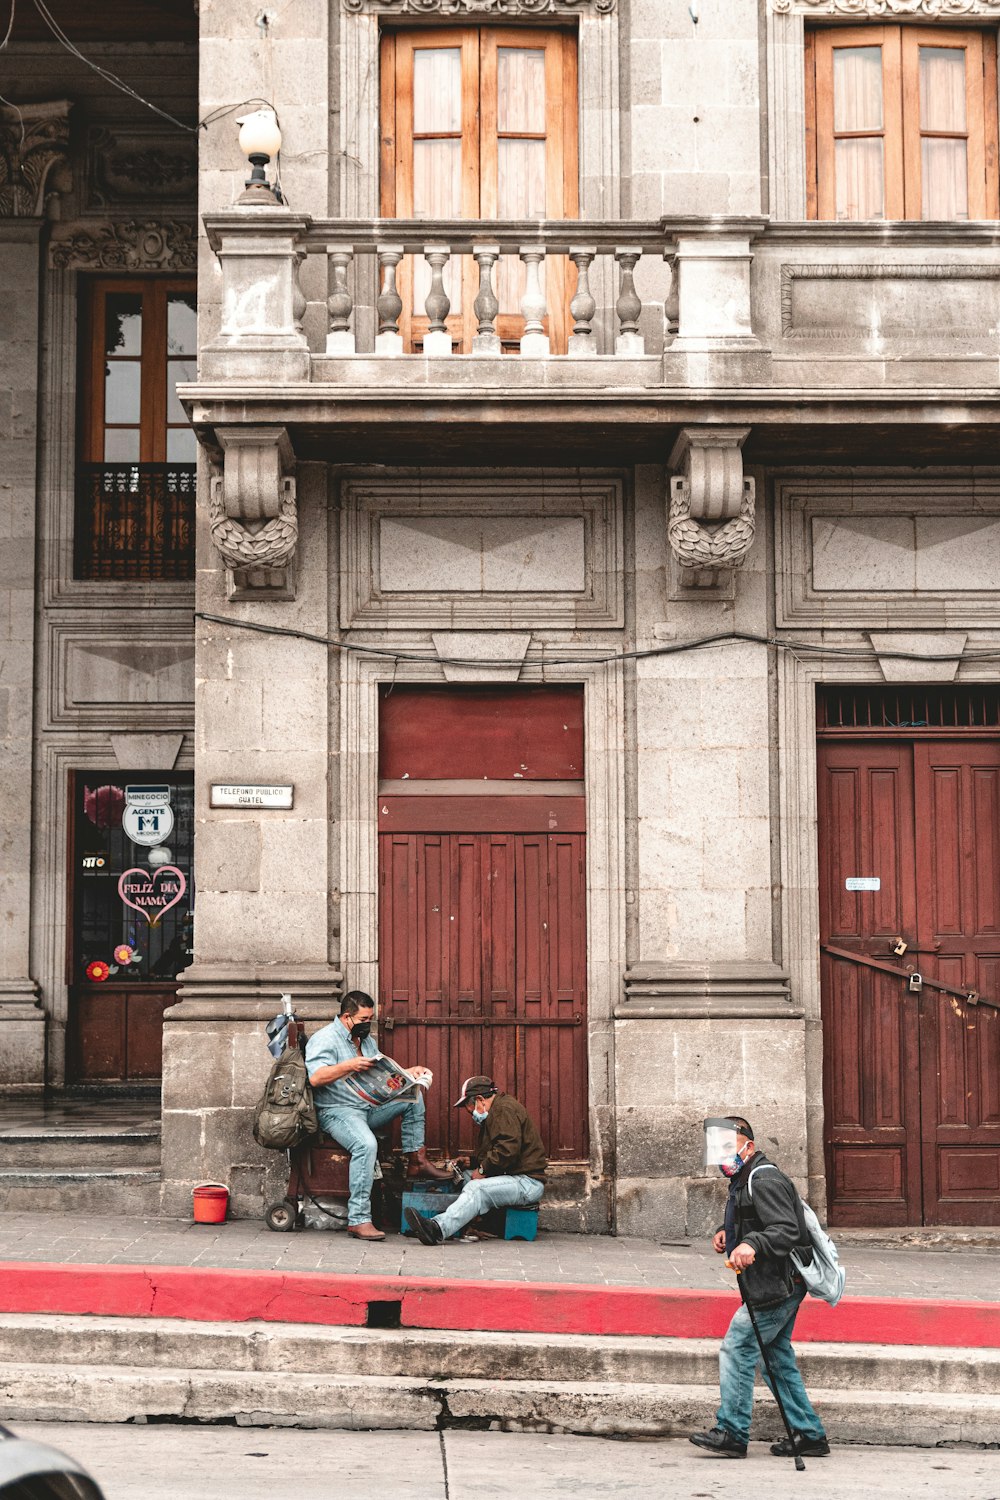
<point x="482" y="555"/>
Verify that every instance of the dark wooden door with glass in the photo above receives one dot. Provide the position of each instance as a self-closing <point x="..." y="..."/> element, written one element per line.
<point x="131" y="906"/>
<point x="479" y="123"/>
<point x="912" y="1078"/>
<point x="482" y="901"/>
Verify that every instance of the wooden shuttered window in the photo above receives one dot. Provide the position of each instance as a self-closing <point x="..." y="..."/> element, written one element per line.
<point x="901" y="123"/>
<point x="136" y="460"/>
<point x="479" y="123"/>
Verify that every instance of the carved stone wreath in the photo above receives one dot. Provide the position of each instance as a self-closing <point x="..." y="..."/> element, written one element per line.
<point x="271" y="546"/>
<point x="128" y="246"/>
<point x="479" y="7"/>
<point x="940" y="9"/>
<point x="696" y="545"/>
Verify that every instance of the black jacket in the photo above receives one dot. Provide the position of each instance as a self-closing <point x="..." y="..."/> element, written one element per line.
<point x="771" y="1223"/>
<point x="509" y="1142"/>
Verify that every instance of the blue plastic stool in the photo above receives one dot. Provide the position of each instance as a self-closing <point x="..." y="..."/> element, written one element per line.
<point x="428" y="1198"/>
<point x="520" y="1224"/>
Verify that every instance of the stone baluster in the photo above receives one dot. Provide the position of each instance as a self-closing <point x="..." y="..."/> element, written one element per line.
<point x="389" y="303"/>
<point x="582" y="344"/>
<point x="340" y="339"/>
<point x="534" y="340"/>
<point x="671" y="307"/>
<point x="437" y="339"/>
<point x="486" y="306"/>
<point x="628" y="307"/>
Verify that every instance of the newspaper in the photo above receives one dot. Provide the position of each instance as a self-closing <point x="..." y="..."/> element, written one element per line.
<point x="385" y="1081"/>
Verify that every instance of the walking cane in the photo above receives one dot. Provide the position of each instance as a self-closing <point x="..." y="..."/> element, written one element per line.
<point x="799" y="1460"/>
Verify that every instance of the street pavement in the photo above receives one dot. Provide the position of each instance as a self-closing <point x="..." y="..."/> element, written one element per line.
<point x="887" y="1268"/>
<point x="223" y="1463"/>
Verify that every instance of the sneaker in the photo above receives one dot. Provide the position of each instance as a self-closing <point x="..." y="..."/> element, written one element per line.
<point x="805" y="1446"/>
<point x="427" y="1231"/>
<point x="720" y="1443"/>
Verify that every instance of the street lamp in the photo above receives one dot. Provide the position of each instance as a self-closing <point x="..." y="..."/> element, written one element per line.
<point x="260" y="139"/>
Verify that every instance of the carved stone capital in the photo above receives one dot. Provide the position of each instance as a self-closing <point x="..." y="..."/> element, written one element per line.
<point x="479" y="7"/>
<point x="710" y="515"/>
<point x="252" y="512"/>
<point x="131" y="245"/>
<point x="34" y="142"/>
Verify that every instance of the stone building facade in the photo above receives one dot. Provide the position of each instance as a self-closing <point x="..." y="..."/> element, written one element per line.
<point x="692" y="450"/>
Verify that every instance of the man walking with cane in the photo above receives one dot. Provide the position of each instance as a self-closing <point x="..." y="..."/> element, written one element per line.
<point x="762" y="1225"/>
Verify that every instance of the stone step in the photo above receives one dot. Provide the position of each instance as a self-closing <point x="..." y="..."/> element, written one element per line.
<point x="63" y="1150"/>
<point x="114" y="1190"/>
<point x="115" y="1393"/>
<point x="165" y="1343"/>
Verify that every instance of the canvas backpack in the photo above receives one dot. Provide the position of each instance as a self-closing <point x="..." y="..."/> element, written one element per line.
<point x="824" y="1276"/>
<point x="286" y="1113"/>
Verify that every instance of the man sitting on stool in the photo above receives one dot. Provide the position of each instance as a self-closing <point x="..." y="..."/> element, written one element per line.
<point x="347" y="1046"/>
<point x="511" y="1163"/>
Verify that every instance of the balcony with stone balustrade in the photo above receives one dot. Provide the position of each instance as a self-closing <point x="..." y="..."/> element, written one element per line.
<point x="869" y="340"/>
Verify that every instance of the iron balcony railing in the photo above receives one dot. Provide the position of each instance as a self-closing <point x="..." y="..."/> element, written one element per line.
<point x="135" y="521"/>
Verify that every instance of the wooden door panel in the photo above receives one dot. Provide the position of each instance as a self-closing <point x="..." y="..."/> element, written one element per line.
<point x="870" y="1051"/>
<point x="957" y="801"/>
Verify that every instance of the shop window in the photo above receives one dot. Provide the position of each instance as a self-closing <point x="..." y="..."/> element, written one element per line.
<point x="136" y="470"/>
<point x="479" y="123"/>
<point x="902" y="123"/>
<point x="131" y="901"/>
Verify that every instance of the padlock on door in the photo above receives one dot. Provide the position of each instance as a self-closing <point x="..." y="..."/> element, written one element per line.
<point x="916" y="983"/>
<point x="899" y="947"/>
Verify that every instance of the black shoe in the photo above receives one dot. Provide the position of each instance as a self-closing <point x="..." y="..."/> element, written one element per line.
<point x="427" y="1231"/>
<point x="720" y="1443"/>
<point x="807" y="1447"/>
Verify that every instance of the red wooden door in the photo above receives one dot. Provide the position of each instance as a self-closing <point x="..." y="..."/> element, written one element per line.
<point x="911" y="1081"/>
<point x="482" y="901"/>
<point x="957" y="788"/>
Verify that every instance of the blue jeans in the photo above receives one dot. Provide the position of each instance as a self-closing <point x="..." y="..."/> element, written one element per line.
<point x="354" y="1130"/>
<point x="738" y="1361"/>
<point x="480" y="1194"/>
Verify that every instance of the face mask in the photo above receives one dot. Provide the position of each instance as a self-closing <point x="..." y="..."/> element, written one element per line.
<point x="732" y="1166"/>
<point x="479" y="1115"/>
<point x="361" y="1030"/>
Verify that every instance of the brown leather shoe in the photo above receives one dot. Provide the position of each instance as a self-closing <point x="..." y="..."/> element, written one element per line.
<point x="365" y="1232"/>
<point x="419" y="1166"/>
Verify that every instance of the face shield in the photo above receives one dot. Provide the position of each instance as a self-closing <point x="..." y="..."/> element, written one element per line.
<point x="720" y="1142"/>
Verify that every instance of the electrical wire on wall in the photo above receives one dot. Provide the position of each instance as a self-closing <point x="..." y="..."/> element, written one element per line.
<point x="611" y="658"/>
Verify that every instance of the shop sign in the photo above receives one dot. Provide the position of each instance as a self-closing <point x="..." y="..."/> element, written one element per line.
<point x="148" y="817"/>
<point x="232" y="794"/>
<point x="152" y="892"/>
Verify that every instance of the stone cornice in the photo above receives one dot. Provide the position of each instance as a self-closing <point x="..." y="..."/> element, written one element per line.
<point x="131" y="245"/>
<point x="478" y="7"/>
<point x="939" y="10"/>
<point x="34" y="141"/>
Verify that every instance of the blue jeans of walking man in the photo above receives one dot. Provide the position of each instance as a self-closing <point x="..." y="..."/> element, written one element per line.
<point x="480" y="1194"/>
<point x="355" y="1130"/>
<point x="739" y="1358"/>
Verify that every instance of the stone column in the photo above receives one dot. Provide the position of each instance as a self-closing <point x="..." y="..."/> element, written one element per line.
<point x="22" y="1021"/>
<point x="706" y="1024"/>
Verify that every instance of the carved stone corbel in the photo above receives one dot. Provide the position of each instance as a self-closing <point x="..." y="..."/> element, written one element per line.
<point x="252" y="512"/>
<point x="34" y="145"/>
<point x="710" y="516"/>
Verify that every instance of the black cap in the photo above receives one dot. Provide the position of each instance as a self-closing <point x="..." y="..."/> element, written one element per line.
<point x="476" y="1087"/>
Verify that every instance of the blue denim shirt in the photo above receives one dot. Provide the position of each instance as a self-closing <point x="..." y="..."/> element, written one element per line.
<point x="330" y="1046"/>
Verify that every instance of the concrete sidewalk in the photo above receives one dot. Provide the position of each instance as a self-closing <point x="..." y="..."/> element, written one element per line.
<point x="966" y="1272"/>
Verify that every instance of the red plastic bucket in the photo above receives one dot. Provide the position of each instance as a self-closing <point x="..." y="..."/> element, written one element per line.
<point x="211" y="1199"/>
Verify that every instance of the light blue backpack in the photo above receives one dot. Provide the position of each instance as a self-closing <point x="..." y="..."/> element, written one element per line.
<point x="824" y="1276"/>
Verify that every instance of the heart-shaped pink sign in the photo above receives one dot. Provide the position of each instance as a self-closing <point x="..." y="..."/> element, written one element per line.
<point x="153" y="892"/>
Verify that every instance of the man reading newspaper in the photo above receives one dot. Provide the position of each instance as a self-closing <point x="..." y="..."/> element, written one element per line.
<point x="357" y="1092"/>
<point x="510" y="1157"/>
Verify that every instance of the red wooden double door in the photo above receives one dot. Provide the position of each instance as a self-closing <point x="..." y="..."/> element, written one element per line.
<point x="482" y="901"/>
<point x="912" y="1079"/>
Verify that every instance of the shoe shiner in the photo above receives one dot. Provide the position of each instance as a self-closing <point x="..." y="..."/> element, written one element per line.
<point x="763" y="1224"/>
<point x="344" y="1047"/>
<point x="510" y="1163"/>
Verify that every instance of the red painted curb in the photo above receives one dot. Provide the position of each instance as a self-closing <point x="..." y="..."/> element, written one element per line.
<point x="227" y="1295"/>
